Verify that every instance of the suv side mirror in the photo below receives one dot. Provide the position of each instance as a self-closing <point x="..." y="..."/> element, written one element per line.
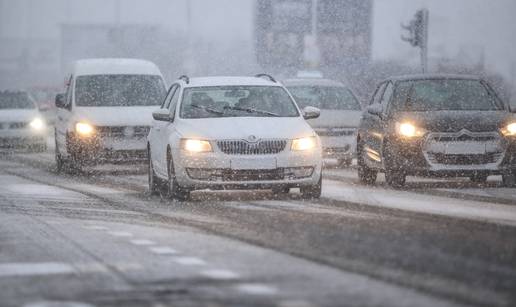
<point x="162" y="115"/>
<point x="375" y="109"/>
<point x="311" y="112"/>
<point x="60" y="101"/>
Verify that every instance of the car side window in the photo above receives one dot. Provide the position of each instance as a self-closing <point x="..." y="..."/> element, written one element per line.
<point x="166" y="101"/>
<point x="386" y="97"/>
<point x="378" y="94"/>
<point x="173" y="102"/>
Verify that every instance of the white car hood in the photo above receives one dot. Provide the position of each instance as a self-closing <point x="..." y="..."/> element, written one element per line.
<point x="18" y="115"/>
<point x="243" y="127"/>
<point x="115" y="116"/>
<point x="336" y="118"/>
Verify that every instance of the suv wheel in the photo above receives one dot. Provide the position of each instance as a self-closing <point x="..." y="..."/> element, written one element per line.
<point x="174" y="191"/>
<point x="478" y="178"/>
<point x="312" y="191"/>
<point x="509" y="180"/>
<point x="365" y="174"/>
<point x="153" y="179"/>
<point x="280" y="190"/>
<point x="60" y="162"/>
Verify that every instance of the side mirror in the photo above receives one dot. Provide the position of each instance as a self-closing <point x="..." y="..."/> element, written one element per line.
<point x="162" y="115"/>
<point x="60" y="101"/>
<point x="311" y="112"/>
<point x="375" y="109"/>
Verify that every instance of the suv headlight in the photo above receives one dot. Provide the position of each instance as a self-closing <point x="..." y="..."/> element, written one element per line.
<point x="305" y="143"/>
<point x="193" y="145"/>
<point x="84" y="129"/>
<point x="509" y="130"/>
<point x="408" y="130"/>
<point x="37" y="124"/>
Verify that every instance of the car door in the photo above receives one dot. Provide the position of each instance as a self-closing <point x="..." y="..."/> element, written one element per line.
<point x="155" y="132"/>
<point x="369" y="127"/>
<point x="63" y="118"/>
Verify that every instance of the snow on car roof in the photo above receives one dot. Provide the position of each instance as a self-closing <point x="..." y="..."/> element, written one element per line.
<point x="432" y="77"/>
<point x="228" y="81"/>
<point x="311" y="82"/>
<point x="115" y="66"/>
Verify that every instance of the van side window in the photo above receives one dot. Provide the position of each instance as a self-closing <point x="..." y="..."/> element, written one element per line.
<point x="68" y="95"/>
<point x="378" y="94"/>
<point x="173" y="102"/>
<point x="166" y="101"/>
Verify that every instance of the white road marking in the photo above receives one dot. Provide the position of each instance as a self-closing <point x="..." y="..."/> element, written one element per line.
<point x="57" y="304"/>
<point x="120" y="234"/>
<point x="142" y="242"/>
<point x="95" y="227"/>
<point x="220" y="274"/>
<point x="295" y="303"/>
<point x="257" y="289"/>
<point x="30" y="269"/>
<point x="189" y="261"/>
<point x="163" y="250"/>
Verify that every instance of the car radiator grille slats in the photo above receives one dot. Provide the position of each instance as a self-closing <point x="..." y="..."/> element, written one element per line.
<point x="123" y="131"/>
<point x="242" y="147"/>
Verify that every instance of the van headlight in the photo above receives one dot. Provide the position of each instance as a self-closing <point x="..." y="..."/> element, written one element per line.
<point x="193" y="145"/>
<point x="509" y="130"/>
<point x="409" y="130"/>
<point x="305" y="143"/>
<point x="37" y="124"/>
<point x="84" y="129"/>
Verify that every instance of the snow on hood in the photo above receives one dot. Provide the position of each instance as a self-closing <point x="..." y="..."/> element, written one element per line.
<point x="116" y="116"/>
<point x="243" y="127"/>
<point x="336" y="118"/>
<point x="18" y="115"/>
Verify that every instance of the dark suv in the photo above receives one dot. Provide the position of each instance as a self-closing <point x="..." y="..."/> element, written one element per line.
<point x="436" y="125"/>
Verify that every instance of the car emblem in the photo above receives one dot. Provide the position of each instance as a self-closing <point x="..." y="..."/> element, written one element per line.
<point x="251" y="138"/>
<point x="128" y="131"/>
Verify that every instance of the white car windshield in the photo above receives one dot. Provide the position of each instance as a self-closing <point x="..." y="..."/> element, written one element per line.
<point x="119" y="90"/>
<point x="237" y="101"/>
<point x="325" y="97"/>
<point x="18" y="100"/>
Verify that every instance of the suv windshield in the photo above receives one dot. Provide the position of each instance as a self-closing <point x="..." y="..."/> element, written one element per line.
<point x="447" y="95"/>
<point x="237" y="101"/>
<point x="119" y="90"/>
<point x="325" y="97"/>
<point x="19" y="100"/>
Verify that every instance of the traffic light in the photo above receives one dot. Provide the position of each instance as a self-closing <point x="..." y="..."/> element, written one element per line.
<point x="417" y="29"/>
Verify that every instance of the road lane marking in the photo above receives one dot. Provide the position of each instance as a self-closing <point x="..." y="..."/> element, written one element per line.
<point x="142" y="242"/>
<point x="30" y="269"/>
<point x="163" y="250"/>
<point x="120" y="234"/>
<point x="220" y="274"/>
<point x="257" y="289"/>
<point x="189" y="261"/>
<point x="95" y="227"/>
<point x="57" y="304"/>
<point x="295" y="303"/>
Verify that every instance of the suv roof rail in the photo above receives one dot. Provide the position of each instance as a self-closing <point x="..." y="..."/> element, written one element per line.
<point x="267" y="76"/>
<point x="184" y="78"/>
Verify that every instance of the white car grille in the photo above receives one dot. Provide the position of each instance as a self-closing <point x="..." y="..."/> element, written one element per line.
<point x="243" y="147"/>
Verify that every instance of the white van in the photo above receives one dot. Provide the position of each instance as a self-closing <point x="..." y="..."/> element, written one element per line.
<point x="106" y="112"/>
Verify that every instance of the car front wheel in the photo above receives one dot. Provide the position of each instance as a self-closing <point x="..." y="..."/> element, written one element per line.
<point x="153" y="179"/>
<point x="365" y="174"/>
<point x="174" y="191"/>
<point x="312" y="191"/>
<point x="509" y="180"/>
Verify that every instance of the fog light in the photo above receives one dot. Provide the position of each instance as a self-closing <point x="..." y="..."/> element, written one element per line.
<point x="203" y="173"/>
<point x="37" y="124"/>
<point x="299" y="172"/>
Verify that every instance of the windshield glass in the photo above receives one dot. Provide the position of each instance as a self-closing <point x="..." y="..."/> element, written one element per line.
<point x="119" y="90"/>
<point x="325" y="97"/>
<point x="237" y="101"/>
<point x="16" y="101"/>
<point x="446" y="94"/>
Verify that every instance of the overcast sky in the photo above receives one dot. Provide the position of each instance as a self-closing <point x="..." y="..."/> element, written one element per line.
<point x="471" y="27"/>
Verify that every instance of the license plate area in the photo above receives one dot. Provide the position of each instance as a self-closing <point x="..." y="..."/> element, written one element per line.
<point x="253" y="163"/>
<point x="459" y="148"/>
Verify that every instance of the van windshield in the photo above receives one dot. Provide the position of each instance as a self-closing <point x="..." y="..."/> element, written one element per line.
<point x="119" y="90"/>
<point x="325" y="97"/>
<point x="19" y="100"/>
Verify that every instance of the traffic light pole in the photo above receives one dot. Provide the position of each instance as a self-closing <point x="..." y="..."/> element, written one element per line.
<point x="418" y="35"/>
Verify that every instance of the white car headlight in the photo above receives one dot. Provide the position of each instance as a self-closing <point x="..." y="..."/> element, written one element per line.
<point x="84" y="129"/>
<point x="509" y="130"/>
<point x="305" y="143"/>
<point x="37" y="124"/>
<point x="193" y="145"/>
<point x="409" y="130"/>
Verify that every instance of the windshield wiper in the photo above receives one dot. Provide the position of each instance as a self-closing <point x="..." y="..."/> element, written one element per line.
<point x="208" y="109"/>
<point x="252" y="110"/>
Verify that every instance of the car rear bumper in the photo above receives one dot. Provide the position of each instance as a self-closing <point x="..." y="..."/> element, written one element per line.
<point x="107" y="149"/>
<point x="21" y="138"/>
<point x="339" y="147"/>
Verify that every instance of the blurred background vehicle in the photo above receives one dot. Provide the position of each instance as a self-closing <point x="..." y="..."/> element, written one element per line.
<point x="106" y="112"/>
<point x="340" y="114"/>
<point x="21" y="124"/>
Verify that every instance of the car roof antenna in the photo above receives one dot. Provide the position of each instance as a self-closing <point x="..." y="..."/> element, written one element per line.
<point x="184" y="78"/>
<point x="267" y="76"/>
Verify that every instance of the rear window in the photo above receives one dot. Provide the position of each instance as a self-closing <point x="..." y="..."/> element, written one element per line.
<point x="325" y="97"/>
<point x="445" y="94"/>
<point x="19" y="100"/>
<point x="119" y="90"/>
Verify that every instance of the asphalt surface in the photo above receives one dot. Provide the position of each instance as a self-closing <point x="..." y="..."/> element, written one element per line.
<point x="98" y="239"/>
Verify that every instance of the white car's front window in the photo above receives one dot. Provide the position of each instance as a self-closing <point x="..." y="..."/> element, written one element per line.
<point x="15" y="100"/>
<point x="237" y="101"/>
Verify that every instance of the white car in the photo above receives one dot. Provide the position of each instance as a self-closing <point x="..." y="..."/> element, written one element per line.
<point x="21" y="124"/>
<point x="106" y="113"/>
<point x="233" y="133"/>
<point x="340" y="114"/>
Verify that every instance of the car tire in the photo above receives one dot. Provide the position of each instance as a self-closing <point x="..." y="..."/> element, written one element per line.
<point x="312" y="191"/>
<point x="478" y="178"/>
<point x="509" y="180"/>
<point x="174" y="191"/>
<point x="280" y="190"/>
<point x="60" y="162"/>
<point x="365" y="174"/>
<point x="154" y="186"/>
<point x="395" y="178"/>
<point x="344" y="163"/>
